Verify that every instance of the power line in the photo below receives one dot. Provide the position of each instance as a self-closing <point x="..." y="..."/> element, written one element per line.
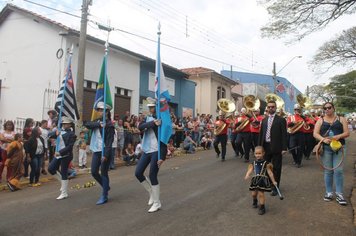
<point x="143" y="37"/>
<point x="51" y="8"/>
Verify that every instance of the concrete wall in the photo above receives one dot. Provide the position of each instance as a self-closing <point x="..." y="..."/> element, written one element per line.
<point x="29" y="66"/>
<point x="184" y="90"/>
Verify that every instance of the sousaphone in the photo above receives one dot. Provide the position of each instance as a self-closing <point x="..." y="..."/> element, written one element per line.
<point x="226" y="106"/>
<point x="303" y="103"/>
<point x="251" y="103"/>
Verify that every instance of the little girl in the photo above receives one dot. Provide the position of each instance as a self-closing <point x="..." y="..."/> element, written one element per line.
<point x="260" y="181"/>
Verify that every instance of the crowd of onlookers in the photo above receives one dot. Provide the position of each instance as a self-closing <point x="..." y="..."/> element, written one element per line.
<point x="187" y="134"/>
<point x="37" y="143"/>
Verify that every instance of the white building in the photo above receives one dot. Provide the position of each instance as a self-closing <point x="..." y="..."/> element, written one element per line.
<point x="32" y="67"/>
<point x="211" y="86"/>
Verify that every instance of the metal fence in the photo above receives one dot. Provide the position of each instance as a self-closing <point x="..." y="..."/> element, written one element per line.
<point x="18" y="122"/>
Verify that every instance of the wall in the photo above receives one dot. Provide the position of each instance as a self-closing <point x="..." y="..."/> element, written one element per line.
<point x="28" y="65"/>
<point x="184" y="89"/>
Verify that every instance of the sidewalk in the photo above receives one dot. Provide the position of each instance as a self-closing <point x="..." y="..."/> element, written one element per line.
<point x="48" y="178"/>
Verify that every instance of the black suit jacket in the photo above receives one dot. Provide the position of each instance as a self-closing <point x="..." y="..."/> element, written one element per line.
<point x="278" y="134"/>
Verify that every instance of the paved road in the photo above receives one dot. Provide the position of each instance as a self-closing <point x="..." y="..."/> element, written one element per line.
<point x="200" y="196"/>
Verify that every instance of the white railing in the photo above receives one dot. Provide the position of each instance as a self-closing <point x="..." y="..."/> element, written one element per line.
<point x="18" y="122"/>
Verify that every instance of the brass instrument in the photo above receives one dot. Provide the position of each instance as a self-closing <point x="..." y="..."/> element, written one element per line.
<point x="227" y="107"/>
<point x="251" y="103"/>
<point x="219" y="127"/>
<point x="303" y="103"/>
<point x="277" y="99"/>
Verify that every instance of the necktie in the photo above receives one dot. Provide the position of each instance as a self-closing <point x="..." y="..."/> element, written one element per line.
<point x="268" y="132"/>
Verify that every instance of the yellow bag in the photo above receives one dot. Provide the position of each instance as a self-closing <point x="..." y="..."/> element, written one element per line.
<point x="335" y="145"/>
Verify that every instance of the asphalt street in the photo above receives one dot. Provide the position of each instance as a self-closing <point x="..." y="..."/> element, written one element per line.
<point x="200" y="196"/>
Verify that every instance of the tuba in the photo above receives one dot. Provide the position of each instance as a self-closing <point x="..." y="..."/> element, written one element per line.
<point x="303" y="103"/>
<point x="251" y="103"/>
<point x="273" y="97"/>
<point x="227" y="107"/>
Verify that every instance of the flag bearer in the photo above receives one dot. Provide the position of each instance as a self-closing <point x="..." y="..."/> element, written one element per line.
<point x="97" y="145"/>
<point x="150" y="156"/>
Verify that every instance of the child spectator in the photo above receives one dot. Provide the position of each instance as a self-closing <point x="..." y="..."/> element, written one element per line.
<point x="206" y="142"/>
<point x="170" y="149"/>
<point x="138" y="151"/>
<point x="129" y="157"/>
<point x="71" y="171"/>
<point x="82" y="145"/>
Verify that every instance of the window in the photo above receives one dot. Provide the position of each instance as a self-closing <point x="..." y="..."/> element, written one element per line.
<point x="169" y="82"/>
<point x="221" y="93"/>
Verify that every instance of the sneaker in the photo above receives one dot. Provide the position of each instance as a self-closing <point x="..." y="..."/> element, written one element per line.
<point x="328" y="197"/>
<point x="341" y="200"/>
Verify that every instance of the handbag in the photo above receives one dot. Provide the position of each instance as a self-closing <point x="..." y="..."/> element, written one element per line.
<point x="319" y="148"/>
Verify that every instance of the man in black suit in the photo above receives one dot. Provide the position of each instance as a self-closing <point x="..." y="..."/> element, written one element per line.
<point x="273" y="137"/>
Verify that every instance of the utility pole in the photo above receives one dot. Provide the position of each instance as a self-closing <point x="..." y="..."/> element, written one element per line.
<point x="81" y="56"/>
<point x="274" y="76"/>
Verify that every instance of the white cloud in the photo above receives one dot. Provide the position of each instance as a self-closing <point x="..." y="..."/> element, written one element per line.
<point x="226" y="30"/>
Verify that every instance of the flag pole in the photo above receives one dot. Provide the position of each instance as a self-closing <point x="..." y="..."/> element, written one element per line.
<point x="158" y="71"/>
<point x="59" y="125"/>
<point x="105" y="85"/>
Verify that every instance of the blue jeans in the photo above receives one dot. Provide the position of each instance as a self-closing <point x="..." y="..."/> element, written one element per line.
<point x="103" y="177"/>
<point x="63" y="162"/>
<point x="148" y="158"/>
<point x="331" y="159"/>
<point x="36" y="163"/>
<point x="190" y="148"/>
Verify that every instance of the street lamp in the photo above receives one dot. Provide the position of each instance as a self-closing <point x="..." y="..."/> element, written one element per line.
<point x="274" y="76"/>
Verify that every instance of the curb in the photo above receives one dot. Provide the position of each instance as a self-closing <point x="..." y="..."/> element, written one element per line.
<point x="48" y="178"/>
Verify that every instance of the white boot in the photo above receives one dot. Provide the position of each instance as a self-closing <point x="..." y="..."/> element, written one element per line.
<point x="156" y="202"/>
<point x="64" y="190"/>
<point x="148" y="187"/>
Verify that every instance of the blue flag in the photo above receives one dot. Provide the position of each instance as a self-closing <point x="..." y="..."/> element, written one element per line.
<point x="162" y="95"/>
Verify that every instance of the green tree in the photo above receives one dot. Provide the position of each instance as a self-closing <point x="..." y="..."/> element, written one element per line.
<point x="302" y="17"/>
<point x="344" y="87"/>
<point x="339" y="51"/>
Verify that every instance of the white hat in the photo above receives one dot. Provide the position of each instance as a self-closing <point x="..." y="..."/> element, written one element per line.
<point x="312" y="111"/>
<point x="296" y="106"/>
<point x="151" y="102"/>
<point x="100" y="105"/>
<point x="243" y="110"/>
<point x="66" y="120"/>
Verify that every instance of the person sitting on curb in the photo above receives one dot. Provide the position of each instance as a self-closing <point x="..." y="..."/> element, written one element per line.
<point x="130" y="156"/>
<point x="189" y="144"/>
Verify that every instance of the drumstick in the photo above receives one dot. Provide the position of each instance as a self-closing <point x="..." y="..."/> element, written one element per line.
<point x="279" y="192"/>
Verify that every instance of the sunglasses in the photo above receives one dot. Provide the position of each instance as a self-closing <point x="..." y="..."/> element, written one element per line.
<point x="327" y="108"/>
<point x="270" y="107"/>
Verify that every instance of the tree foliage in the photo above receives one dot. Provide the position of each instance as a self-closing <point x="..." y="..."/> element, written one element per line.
<point x="320" y="94"/>
<point x="340" y="51"/>
<point x="344" y="87"/>
<point x="302" y="17"/>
